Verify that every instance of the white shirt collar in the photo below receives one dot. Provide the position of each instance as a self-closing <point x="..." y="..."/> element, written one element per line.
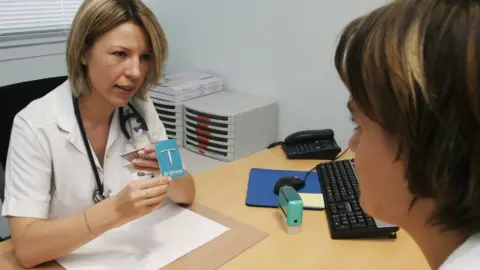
<point x="67" y="121"/>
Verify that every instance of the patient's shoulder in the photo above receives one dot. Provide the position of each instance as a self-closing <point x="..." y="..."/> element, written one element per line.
<point x="466" y="256"/>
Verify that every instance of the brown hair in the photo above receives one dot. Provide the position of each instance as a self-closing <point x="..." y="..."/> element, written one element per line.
<point x="95" y="18"/>
<point x="413" y="67"/>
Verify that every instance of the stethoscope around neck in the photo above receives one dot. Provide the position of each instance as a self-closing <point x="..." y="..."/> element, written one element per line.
<point x="99" y="193"/>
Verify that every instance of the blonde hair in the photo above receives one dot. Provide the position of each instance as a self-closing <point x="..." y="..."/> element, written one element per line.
<point x="95" y="18"/>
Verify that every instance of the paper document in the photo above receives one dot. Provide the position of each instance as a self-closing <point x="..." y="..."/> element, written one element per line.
<point x="150" y="242"/>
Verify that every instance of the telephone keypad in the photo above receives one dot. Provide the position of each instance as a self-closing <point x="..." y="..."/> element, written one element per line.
<point x="318" y="145"/>
<point x="304" y="148"/>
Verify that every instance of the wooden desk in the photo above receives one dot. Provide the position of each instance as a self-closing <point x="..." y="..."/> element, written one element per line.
<point x="224" y="189"/>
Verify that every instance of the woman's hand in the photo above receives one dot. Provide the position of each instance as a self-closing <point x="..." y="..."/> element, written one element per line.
<point x="140" y="197"/>
<point x="149" y="161"/>
<point x="183" y="189"/>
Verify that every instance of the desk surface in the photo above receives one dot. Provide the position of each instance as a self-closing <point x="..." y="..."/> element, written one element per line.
<point x="224" y="190"/>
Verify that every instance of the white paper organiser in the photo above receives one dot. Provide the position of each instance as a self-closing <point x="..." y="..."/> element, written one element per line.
<point x="229" y="125"/>
<point x="171" y="115"/>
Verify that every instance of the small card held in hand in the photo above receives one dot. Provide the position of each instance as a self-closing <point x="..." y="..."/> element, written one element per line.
<point x="169" y="159"/>
<point x="130" y="156"/>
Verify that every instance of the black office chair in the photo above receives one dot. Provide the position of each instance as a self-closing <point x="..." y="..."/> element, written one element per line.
<point x="2" y="187"/>
<point x="13" y="99"/>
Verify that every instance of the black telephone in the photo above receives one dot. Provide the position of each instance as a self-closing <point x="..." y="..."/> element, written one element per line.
<point x="311" y="144"/>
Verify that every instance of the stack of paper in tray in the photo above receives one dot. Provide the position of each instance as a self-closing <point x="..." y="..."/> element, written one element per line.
<point x="169" y="94"/>
<point x="184" y="86"/>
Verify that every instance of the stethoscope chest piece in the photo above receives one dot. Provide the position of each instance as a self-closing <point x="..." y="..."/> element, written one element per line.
<point x="98" y="197"/>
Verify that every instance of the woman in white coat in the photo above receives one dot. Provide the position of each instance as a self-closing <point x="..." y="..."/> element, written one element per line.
<point x="66" y="182"/>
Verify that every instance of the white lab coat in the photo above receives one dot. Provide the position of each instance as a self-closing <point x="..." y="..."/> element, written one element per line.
<point x="48" y="173"/>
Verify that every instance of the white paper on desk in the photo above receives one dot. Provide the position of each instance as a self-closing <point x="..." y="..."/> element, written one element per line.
<point x="150" y="242"/>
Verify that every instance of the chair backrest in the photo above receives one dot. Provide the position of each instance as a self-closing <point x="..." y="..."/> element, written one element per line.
<point x="13" y="99"/>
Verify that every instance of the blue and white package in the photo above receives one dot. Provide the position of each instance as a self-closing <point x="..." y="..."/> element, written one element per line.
<point x="169" y="159"/>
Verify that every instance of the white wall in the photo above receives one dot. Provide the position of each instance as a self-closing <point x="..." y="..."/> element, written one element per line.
<point x="278" y="48"/>
<point x="26" y="69"/>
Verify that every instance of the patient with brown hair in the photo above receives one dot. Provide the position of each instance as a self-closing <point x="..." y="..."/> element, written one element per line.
<point x="412" y="68"/>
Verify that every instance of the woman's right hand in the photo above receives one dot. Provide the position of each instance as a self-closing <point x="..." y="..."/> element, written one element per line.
<point x="140" y="197"/>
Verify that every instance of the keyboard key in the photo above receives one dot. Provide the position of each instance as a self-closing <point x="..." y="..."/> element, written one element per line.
<point x="342" y="227"/>
<point x="371" y="222"/>
<point x="359" y="226"/>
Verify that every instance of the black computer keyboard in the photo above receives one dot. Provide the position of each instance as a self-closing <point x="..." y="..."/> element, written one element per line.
<point x="346" y="219"/>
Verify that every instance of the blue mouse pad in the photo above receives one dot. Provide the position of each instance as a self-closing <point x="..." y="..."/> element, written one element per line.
<point x="262" y="181"/>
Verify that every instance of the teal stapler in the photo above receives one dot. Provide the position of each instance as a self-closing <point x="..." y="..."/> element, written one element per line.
<point x="291" y="207"/>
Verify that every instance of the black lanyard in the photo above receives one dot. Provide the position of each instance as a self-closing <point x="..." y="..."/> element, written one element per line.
<point x="98" y="194"/>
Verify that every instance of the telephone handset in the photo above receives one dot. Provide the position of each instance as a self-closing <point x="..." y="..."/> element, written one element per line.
<point x="311" y="144"/>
